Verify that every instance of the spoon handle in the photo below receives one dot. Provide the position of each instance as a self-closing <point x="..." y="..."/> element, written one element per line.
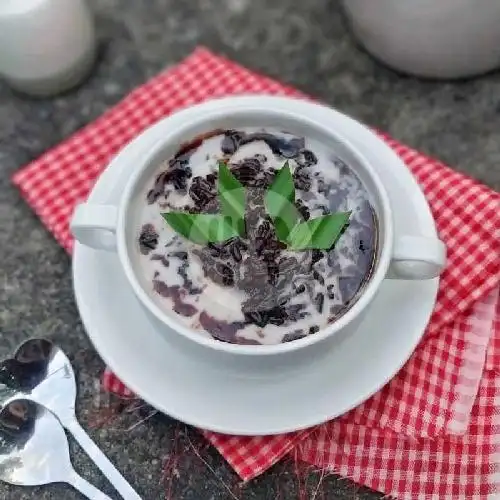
<point x="98" y="457"/>
<point x="86" y="489"/>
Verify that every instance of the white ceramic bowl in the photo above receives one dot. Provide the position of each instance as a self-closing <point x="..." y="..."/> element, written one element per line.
<point x="429" y="38"/>
<point x="105" y="227"/>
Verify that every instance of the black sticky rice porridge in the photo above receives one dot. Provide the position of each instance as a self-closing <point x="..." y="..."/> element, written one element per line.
<point x="253" y="290"/>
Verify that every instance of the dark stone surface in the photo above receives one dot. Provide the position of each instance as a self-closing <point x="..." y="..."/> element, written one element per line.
<point x="302" y="43"/>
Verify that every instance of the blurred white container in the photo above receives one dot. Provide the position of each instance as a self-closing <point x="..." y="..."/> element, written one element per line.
<point x="46" y="46"/>
<point x="429" y="38"/>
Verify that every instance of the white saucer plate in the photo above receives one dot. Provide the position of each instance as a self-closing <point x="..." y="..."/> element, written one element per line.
<point x="213" y="398"/>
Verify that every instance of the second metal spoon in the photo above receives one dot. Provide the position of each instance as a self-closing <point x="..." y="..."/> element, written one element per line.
<point x="34" y="449"/>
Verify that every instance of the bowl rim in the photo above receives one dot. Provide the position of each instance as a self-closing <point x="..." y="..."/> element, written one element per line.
<point x="220" y="112"/>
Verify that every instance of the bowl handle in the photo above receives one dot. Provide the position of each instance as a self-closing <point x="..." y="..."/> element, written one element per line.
<point x="95" y="225"/>
<point x="417" y="258"/>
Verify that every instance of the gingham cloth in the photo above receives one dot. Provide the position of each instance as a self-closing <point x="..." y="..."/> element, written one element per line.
<point x="433" y="396"/>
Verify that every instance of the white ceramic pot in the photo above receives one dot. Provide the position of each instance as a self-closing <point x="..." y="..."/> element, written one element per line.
<point x="429" y="38"/>
<point x="107" y="227"/>
<point x="46" y="46"/>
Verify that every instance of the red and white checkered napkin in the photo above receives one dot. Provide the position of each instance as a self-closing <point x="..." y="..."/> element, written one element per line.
<point x="429" y="419"/>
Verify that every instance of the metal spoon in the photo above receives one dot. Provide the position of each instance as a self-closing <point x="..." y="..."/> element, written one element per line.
<point x="41" y="372"/>
<point x="34" y="449"/>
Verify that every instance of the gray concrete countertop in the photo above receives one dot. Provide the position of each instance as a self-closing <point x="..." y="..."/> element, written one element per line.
<point x="305" y="44"/>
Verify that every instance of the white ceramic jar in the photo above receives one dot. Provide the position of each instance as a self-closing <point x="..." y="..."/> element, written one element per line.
<point x="46" y="46"/>
<point x="429" y="38"/>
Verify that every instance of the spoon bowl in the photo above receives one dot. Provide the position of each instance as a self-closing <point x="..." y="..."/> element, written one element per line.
<point x="34" y="449"/>
<point x="44" y="371"/>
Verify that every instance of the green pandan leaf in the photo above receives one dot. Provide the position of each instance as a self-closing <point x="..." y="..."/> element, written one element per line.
<point x="201" y="228"/>
<point x="279" y="201"/>
<point x="319" y="233"/>
<point x="232" y="198"/>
